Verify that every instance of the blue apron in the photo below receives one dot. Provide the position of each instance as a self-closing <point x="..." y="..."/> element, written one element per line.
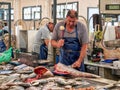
<point x="2" y="44"/>
<point x="43" y="52"/>
<point x="70" y="52"/>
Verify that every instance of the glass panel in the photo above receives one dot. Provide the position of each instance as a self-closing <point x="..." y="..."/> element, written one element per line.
<point x="12" y="11"/>
<point x="1" y="14"/>
<point x="27" y="13"/>
<point x="61" y="14"/>
<point x="58" y="11"/>
<point x="61" y="9"/>
<point x="37" y="14"/>
<point x="12" y="14"/>
<point x="32" y="13"/>
<point x="118" y="18"/>
<point x="58" y="16"/>
<point x="75" y="6"/>
<point x="12" y="17"/>
<point x="70" y="6"/>
<point x="92" y="11"/>
<point x="6" y="14"/>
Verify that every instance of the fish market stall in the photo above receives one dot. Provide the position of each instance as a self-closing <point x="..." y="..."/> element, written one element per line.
<point x="18" y="76"/>
<point x="104" y="69"/>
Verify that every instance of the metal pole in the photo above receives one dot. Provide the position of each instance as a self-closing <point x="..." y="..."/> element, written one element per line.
<point x="9" y="25"/>
<point x="54" y="10"/>
<point x="54" y="17"/>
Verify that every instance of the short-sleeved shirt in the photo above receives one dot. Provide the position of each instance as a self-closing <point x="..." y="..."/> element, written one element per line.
<point x="2" y="33"/>
<point x="81" y="29"/>
<point x="42" y="34"/>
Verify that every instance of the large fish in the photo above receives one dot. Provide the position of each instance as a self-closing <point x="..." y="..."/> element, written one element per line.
<point x="61" y="68"/>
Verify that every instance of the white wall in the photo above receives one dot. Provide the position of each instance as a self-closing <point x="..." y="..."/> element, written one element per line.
<point x="46" y="7"/>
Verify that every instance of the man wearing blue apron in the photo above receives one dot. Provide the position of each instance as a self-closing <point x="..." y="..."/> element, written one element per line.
<point x="71" y="37"/>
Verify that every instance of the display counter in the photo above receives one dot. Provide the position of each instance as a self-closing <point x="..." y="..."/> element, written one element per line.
<point x="105" y="70"/>
<point x="16" y="80"/>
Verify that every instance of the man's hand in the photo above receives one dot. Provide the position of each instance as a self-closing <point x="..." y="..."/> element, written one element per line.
<point x="76" y="64"/>
<point x="60" y="43"/>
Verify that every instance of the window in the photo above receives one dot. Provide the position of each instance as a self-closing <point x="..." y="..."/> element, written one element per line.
<point x="36" y="13"/>
<point x="118" y="18"/>
<point x="4" y="14"/>
<point x="32" y="13"/>
<point x="91" y="11"/>
<point x="63" y="8"/>
<point x="12" y="14"/>
<point x="1" y="14"/>
<point x="27" y="13"/>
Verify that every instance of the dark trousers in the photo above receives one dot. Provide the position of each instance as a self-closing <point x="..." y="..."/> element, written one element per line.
<point x="43" y="52"/>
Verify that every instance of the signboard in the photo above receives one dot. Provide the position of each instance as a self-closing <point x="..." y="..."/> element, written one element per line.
<point x="109" y="6"/>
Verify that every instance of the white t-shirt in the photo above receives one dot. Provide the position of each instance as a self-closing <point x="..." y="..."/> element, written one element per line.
<point x="42" y="34"/>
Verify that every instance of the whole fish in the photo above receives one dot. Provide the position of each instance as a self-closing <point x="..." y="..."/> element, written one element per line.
<point x="33" y="88"/>
<point x="73" y="72"/>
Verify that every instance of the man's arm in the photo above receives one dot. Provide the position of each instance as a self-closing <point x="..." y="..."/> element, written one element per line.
<point x="46" y="41"/>
<point x="83" y="52"/>
<point x="45" y="36"/>
<point x="58" y="43"/>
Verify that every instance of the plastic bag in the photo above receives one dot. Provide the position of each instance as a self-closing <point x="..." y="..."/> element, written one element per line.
<point x="6" y="55"/>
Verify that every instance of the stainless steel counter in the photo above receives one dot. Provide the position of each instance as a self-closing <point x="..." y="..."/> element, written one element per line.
<point x="103" y="65"/>
<point x="105" y="70"/>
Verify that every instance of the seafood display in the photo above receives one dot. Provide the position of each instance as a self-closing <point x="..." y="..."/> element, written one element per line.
<point x="24" y="77"/>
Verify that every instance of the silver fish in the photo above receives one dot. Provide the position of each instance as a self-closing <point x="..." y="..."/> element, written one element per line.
<point x="4" y="87"/>
<point x="52" y="86"/>
<point x="19" y="84"/>
<point x="16" y="88"/>
<point x="73" y="72"/>
<point x="33" y="88"/>
<point x="40" y="81"/>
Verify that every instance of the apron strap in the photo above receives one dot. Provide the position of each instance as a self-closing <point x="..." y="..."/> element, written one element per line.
<point x="75" y="31"/>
